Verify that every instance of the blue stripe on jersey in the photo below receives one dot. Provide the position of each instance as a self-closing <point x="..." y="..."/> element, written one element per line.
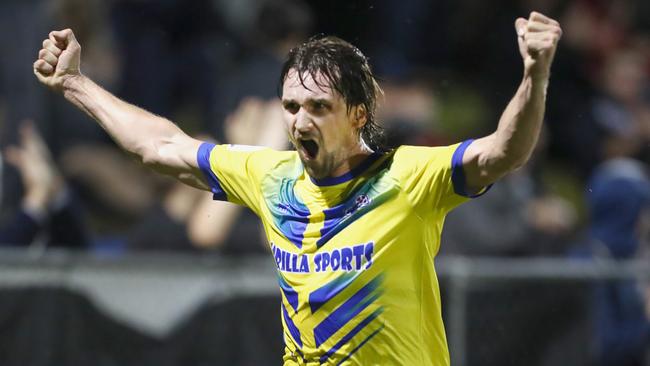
<point x="289" y="293"/>
<point x="346" y="312"/>
<point x="458" y="174"/>
<point x="295" y="333"/>
<point x="203" y="160"/>
<point x="361" y="344"/>
<point x="338" y="218"/>
<point x="326" y="292"/>
<point x="350" y="335"/>
<point x="332" y="181"/>
<point x="290" y="214"/>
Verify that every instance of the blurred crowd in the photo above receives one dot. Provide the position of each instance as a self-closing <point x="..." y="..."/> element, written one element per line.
<point x="447" y="67"/>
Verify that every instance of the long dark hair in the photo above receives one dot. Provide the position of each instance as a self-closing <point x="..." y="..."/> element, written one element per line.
<point x="347" y="71"/>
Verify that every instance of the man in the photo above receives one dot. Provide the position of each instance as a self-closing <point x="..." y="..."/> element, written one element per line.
<point x="353" y="231"/>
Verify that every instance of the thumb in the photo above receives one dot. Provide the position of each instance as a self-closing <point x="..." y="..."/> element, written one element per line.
<point x="520" y="26"/>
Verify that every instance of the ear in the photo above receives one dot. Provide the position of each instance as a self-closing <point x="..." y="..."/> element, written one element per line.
<point x="359" y="116"/>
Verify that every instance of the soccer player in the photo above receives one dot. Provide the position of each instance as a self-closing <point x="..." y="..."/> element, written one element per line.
<point x="353" y="230"/>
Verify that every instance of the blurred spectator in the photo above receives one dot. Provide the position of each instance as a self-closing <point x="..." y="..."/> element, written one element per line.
<point x="66" y="126"/>
<point x="47" y="206"/>
<point x="26" y="21"/>
<point x="619" y="199"/>
<point x="530" y="219"/>
<point x="598" y="80"/>
<point x="164" y="226"/>
<point x="278" y="26"/>
<point x="216" y="223"/>
<point x="410" y="113"/>
<point x="615" y="120"/>
<point x="619" y="196"/>
<point x="60" y="125"/>
<point x="161" y="44"/>
<point x="188" y="219"/>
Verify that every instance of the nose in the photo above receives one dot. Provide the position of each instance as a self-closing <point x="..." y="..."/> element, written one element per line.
<point x="303" y="121"/>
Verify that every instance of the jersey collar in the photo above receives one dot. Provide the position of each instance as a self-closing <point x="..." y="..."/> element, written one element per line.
<point x="332" y="181"/>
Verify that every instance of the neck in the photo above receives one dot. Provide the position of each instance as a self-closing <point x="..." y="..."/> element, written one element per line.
<point x="357" y="155"/>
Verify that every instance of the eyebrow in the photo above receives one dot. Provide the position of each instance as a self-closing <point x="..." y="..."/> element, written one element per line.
<point x="308" y="101"/>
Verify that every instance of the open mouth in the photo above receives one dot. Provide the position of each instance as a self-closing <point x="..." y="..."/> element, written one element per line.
<point x="310" y="148"/>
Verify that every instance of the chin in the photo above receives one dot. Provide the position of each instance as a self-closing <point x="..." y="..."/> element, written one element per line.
<point x="314" y="170"/>
<point x="314" y="173"/>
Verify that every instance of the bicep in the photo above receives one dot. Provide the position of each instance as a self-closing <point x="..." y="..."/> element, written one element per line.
<point x="481" y="164"/>
<point x="177" y="157"/>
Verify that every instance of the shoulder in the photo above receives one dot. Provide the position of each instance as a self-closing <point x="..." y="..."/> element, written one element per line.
<point x="258" y="153"/>
<point x="253" y="159"/>
<point x="419" y="156"/>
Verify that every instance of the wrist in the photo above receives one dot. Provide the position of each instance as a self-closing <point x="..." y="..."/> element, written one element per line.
<point x="537" y="81"/>
<point x="537" y="74"/>
<point x="72" y="83"/>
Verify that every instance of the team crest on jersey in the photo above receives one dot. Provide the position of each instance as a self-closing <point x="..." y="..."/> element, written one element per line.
<point x="360" y="201"/>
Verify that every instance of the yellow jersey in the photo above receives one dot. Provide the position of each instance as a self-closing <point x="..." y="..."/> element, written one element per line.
<point x="354" y="253"/>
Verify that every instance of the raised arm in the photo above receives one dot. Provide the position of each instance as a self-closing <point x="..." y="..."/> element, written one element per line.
<point x="509" y="147"/>
<point x="156" y="141"/>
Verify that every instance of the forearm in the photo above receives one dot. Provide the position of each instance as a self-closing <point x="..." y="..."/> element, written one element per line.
<point x="137" y="131"/>
<point x="519" y="126"/>
<point x="510" y="146"/>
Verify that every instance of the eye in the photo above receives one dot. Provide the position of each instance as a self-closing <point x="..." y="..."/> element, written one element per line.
<point x="319" y="107"/>
<point x="291" y="107"/>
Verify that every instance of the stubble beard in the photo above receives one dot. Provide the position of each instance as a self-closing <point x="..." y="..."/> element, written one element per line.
<point x="320" y="167"/>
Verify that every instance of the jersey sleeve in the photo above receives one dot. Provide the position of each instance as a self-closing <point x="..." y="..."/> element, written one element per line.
<point x="433" y="177"/>
<point x="233" y="172"/>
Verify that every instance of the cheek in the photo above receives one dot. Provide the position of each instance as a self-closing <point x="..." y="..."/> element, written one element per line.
<point x="289" y="121"/>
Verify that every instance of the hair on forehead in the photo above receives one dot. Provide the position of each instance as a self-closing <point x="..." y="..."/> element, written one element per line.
<point x="335" y="64"/>
<point x="320" y="82"/>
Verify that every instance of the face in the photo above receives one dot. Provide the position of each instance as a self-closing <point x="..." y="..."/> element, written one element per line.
<point x="324" y="133"/>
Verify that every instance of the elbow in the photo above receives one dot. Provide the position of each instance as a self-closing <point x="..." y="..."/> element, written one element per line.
<point x="499" y="164"/>
<point x="148" y="157"/>
<point x="521" y="160"/>
<point x="517" y="164"/>
<point x="151" y="155"/>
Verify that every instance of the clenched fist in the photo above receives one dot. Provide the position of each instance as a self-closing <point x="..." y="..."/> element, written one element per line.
<point x="59" y="59"/>
<point x="538" y="37"/>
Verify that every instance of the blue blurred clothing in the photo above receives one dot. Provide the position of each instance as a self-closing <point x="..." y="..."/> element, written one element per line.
<point x="63" y="227"/>
<point x="20" y="230"/>
<point x="619" y="193"/>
